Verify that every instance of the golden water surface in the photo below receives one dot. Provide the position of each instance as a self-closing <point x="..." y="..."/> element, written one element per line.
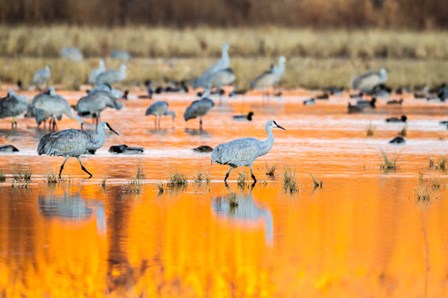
<point x="363" y="234"/>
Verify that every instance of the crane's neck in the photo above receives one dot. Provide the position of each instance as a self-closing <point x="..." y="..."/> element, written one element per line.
<point x="99" y="138"/>
<point x="266" y="145"/>
<point x="225" y="59"/>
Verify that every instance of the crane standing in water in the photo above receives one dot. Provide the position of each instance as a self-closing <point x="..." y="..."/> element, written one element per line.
<point x="73" y="143"/>
<point x="243" y="152"/>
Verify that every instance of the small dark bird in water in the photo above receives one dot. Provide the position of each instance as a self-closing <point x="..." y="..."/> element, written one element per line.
<point x="323" y="96"/>
<point x="203" y="149"/>
<point x="397" y="140"/>
<point x="237" y="92"/>
<point x="247" y="117"/>
<point x="8" y="148"/>
<point x="125" y="149"/>
<point x="309" y="102"/>
<point x="444" y="122"/>
<point x="403" y="118"/>
<point x="395" y="101"/>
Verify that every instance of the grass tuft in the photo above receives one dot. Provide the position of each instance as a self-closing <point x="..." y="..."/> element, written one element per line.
<point x="177" y="180"/>
<point x="370" y="130"/>
<point x="440" y="165"/>
<point x="2" y="176"/>
<point x="316" y="183"/>
<point x="423" y="193"/>
<point x="201" y="178"/>
<point x="289" y="181"/>
<point x="270" y="170"/>
<point x="104" y="182"/>
<point x="241" y="180"/>
<point x="388" y="164"/>
<point x="403" y="132"/>
<point x="160" y="188"/>
<point x="52" y="178"/>
<point x="22" y="175"/>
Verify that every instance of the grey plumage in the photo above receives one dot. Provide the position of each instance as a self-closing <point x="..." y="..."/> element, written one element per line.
<point x="223" y="77"/>
<point x="120" y="55"/>
<point x="112" y="76"/>
<point x="271" y="77"/>
<point x="199" y="108"/>
<point x="244" y="151"/>
<point x="159" y="109"/>
<point x="72" y="54"/>
<point x="107" y="87"/>
<point x="42" y="76"/>
<point x="223" y="63"/>
<point x="94" y="73"/>
<point x="50" y="105"/>
<point x="73" y="143"/>
<point x="13" y="105"/>
<point x="367" y="81"/>
<point x="94" y="103"/>
<point x="8" y="148"/>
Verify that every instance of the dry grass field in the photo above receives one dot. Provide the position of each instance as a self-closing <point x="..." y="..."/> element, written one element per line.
<point x="316" y="59"/>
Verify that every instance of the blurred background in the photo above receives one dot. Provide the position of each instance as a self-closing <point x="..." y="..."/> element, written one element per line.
<point x="326" y="42"/>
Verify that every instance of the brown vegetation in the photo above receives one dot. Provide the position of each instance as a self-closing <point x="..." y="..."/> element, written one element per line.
<point x="417" y="14"/>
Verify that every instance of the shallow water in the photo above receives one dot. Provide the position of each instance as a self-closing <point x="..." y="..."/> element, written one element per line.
<point x="364" y="233"/>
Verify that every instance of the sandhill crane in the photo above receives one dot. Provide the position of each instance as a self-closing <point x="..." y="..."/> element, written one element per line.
<point x="72" y="54"/>
<point x="199" y="108"/>
<point x="50" y="105"/>
<point x="120" y="55"/>
<point x="94" y="73"/>
<point x="244" y="151"/>
<point x="247" y="117"/>
<point x="269" y="78"/>
<point x="367" y="81"/>
<point x="222" y="63"/>
<point x="159" y="109"/>
<point x="112" y="76"/>
<point x="73" y="143"/>
<point x="42" y="76"/>
<point x="223" y="77"/>
<point x="13" y="105"/>
<point x="94" y="103"/>
<point x="107" y="87"/>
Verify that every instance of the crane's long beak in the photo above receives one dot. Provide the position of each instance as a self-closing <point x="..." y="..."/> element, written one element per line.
<point x="280" y="126"/>
<point x="111" y="129"/>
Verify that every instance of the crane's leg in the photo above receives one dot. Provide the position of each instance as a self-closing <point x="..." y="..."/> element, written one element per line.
<point x="155" y="122"/>
<point x="252" y="174"/>
<point x="227" y="175"/>
<point x="62" y="167"/>
<point x="82" y="167"/>
<point x="160" y="120"/>
<point x="200" y="123"/>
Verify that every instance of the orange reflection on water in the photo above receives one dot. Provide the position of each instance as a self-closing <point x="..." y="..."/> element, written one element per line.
<point x="338" y="241"/>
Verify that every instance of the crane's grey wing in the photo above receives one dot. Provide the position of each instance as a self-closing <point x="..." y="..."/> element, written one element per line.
<point x="264" y="80"/>
<point x="69" y="142"/>
<point x="368" y="79"/>
<point x="240" y="152"/>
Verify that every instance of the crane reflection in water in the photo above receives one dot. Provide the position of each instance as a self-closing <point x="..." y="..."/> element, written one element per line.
<point x="243" y="210"/>
<point x="72" y="207"/>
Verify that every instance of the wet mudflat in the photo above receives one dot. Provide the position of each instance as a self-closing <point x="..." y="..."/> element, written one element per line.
<point x="366" y="232"/>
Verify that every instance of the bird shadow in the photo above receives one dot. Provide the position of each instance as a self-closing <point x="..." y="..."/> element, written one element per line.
<point x="197" y="132"/>
<point x="241" y="209"/>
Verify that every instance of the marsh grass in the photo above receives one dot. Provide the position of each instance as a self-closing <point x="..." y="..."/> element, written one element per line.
<point x="200" y="178"/>
<point x="403" y="132"/>
<point x="140" y="173"/>
<point x="233" y="202"/>
<point x="423" y="193"/>
<point x="160" y="189"/>
<point x="388" y="164"/>
<point x="438" y="165"/>
<point x="52" y="178"/>
<point x="289" y="181"/>
<point x="435" y="183"/>
<point x="104" y="182"/>
<point x="22" y="175"/>
<point x="2" y="176"/>
<point x="177" y="180"/>
<point x="316" y="183"/>
<point x="241" y="180"/>
<point x="270" y="170"/>
<point x="370" y="130"/>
